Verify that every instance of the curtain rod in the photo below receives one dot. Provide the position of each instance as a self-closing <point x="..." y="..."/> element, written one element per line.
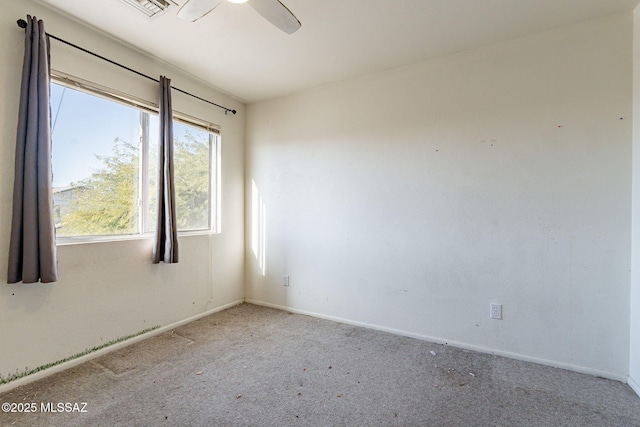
<point x="23" y="24"/>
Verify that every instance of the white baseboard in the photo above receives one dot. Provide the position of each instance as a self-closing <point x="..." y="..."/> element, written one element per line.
<point x="465" y="346"/>
<point x="634" y="385"/>
<point x="75" y="362"/>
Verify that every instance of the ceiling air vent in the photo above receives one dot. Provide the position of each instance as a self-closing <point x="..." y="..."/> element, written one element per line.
<point x="150" y="8"/>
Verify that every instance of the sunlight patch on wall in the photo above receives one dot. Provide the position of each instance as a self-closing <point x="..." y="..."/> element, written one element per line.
<point x="258" y="227"/>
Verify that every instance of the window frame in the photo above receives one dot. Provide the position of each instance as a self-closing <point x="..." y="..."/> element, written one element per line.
<point x="144" y="106"/>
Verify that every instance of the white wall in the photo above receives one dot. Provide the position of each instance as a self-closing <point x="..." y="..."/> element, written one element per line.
<point x="411" y="199"/>
<point x="634" y="355"/>
<point x="110" y="290"/>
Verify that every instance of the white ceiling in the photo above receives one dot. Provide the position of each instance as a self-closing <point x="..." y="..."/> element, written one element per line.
<point x="235" y="49"/>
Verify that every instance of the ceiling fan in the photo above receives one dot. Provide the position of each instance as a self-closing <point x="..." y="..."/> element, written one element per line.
<point x="272" y="10"/>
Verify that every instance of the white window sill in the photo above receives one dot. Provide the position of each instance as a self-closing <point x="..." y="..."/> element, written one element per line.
<point x="66" y="241"/>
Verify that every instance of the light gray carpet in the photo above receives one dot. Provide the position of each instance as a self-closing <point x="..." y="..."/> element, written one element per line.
<point x="255" y="366"/>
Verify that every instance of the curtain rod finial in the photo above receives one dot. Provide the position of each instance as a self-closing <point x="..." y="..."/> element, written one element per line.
<point x="22" y="23"/>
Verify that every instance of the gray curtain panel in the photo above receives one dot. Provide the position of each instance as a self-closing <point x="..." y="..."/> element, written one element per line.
<point x="32" y="249"/>
<point x="166" y="240"/>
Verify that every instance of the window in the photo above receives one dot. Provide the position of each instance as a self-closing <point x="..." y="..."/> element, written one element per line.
<point x="105" y="166"/>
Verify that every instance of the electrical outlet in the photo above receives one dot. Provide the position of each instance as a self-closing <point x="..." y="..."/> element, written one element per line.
<point x="285" y="280"/>
<point x="496" y="311"/>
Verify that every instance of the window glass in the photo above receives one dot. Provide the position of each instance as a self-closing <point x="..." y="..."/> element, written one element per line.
<point x="95" y="161"/>
<point x="105" y="168"/>
<point x="192" y="157"/>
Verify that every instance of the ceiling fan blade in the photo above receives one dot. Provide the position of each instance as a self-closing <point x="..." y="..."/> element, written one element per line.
<point x="276" y="13"/>
<point x="193" y="10"/>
